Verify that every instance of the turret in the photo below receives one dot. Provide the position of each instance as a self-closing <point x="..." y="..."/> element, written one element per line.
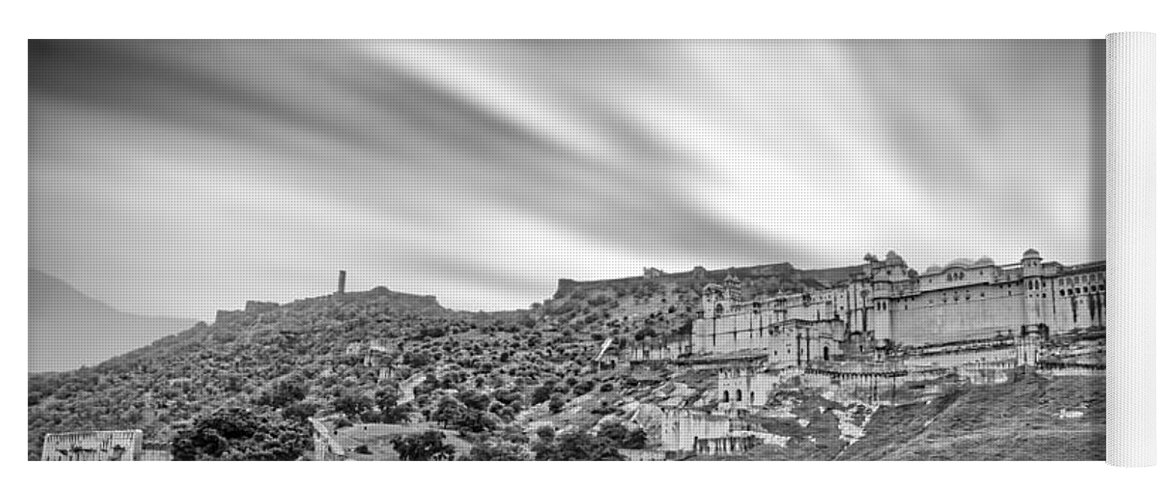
<point x="1034" y="287"/>
<point x="713" y="296"/>
<point x="1031" y="263"/>
<point x="893" y="268"/>
<point x="732" y="287"/>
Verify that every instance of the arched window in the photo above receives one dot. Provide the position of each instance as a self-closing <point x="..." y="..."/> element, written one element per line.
<point x="726" y="398"/>
<point x="752" y="398"/>
<point x="825" y="353"/>
<point x="739" y="395"/>
<point x="719" y="310"/>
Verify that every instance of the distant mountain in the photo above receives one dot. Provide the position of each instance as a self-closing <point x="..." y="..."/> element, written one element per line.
<point x="68" y="329"/>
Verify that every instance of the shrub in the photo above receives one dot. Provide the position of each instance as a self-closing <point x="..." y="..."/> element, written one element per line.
<point x="542" y="394"/>
<point x="556" y="403"/>
<point x="352" y="404"/>
<point x="576" y="445"/>
<point x="239" y="434"/>
<point x="396" y="415"/>
<point x="498" y="451"/>
<point x="583" y="388"/>
<point x="423" y="447"/>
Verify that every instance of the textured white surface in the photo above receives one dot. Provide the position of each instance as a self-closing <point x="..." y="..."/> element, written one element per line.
<point x="1130" y="250"/>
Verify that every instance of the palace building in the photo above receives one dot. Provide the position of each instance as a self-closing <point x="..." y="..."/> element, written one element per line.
<point x="889" y="305"/>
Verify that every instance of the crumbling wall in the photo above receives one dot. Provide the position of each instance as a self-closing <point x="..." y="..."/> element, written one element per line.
<point x="682" y="428"/>
<point x="727" y="445"/>
<point x="325" y="447"/>
<point x="257" y="307"/>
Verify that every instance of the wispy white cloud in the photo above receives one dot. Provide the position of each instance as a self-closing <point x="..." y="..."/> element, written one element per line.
<point x="177" y="177"/>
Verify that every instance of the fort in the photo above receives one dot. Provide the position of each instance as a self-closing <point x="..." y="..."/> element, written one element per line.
<point x="885" y="335"/>
<point x="887" y="308"/>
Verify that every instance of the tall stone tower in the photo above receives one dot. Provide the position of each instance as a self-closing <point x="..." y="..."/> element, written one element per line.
<point x="881" y="313"/>
<point x="341" y="282"/>
<point x="1033" y="287"/>
<point x="883" y="275"/>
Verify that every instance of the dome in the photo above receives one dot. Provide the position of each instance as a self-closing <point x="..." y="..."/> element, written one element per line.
<point x="965" y="263"/>
<point x="893" y="258"/>
<point x="1032" y="254"/>
<point x="933" y="270"/>
<point x="985" y="261"/>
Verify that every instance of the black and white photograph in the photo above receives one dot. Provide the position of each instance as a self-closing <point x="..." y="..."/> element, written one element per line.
<point x="568" y="250"/>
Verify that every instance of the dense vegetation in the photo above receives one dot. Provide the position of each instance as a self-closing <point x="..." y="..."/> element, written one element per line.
<point x="313" y="357"/>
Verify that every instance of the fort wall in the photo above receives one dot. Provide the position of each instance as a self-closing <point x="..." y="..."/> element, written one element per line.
<point x="959" y="314"/>
<point x="953" y="359"/>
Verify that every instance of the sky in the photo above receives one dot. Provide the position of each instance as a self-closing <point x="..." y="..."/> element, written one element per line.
<point x="180" y="177"/>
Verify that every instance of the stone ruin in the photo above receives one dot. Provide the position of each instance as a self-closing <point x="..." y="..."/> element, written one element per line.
<point x="112" y="446"/>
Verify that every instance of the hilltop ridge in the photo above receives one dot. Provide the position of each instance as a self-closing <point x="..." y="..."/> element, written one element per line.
<point x="765" y="279"/>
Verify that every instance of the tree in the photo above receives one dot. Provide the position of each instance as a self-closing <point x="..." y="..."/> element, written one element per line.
<point x="417" y="359"/>
<point x="449" y="411"/>
<point x="386" y="399"/>
<point x="300" y="411"/>
<point x="454" y="414"/>
<point x="577" y="445"/>
<point x="635" y="439"/>
<point x="284" y="393"/>
<point x="397" y="415"/>
<point x="352" y="403"/>
<point x="497" y="452"/>
<point x="556" y="403"/>
<point x="240" y="434"/>
<point x="614" y="431"/>
<point x="428" y="446"/>
<point x="583" y="387"/>
<point x="542" y="393"/>
<point x="546" y="433"/>
<point x="474" y="400"/>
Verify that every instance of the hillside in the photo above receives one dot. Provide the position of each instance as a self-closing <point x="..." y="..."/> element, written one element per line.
<point x="1027" y="419"/>
<point x="68" y="329"/>
<point x="370" y="363"/>
<point x="246" y="356"/>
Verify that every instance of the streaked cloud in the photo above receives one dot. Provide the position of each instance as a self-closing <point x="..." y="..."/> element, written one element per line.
<point x="175" y="177"/>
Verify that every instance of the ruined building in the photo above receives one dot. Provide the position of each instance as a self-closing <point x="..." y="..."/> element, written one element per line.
<point x="118" y="446"/>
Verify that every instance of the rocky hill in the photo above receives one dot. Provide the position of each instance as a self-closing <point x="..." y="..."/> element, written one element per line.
<point x="330" y="350"/>
<point x="348" y="353"/>
<point x="368" y="364"/>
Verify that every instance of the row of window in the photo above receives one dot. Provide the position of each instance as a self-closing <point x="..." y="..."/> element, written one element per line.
<point x="1082" y="278"/>
<point x="1080" y="290"/>
<point x="1030" y="284"/>
<point x="740" y="397"/>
